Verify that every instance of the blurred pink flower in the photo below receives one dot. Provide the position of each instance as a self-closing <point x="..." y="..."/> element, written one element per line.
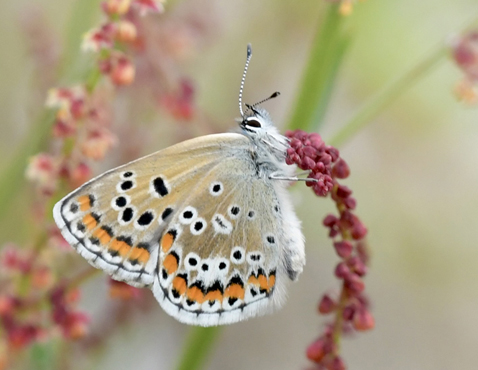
<point x="43" y="170"/>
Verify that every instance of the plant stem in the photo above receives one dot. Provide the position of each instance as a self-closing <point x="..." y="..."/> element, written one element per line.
<point x="197" y="347"/>
<point x="12" y="177"/>
<point x="386" y="96"/>
<point x="327" y="52"/>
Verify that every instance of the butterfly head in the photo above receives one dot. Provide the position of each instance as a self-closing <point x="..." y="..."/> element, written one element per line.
<point x="255" y="120"/>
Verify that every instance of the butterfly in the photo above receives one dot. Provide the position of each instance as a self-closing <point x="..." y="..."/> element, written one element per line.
<point x="206" y="224"/>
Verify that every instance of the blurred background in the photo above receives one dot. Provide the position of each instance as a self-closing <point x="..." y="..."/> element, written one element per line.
<point x="414" y="170"/>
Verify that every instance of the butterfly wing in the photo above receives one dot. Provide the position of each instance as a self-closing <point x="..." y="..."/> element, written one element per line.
<point x="195" y="223"/>
<point x="115" y="220"/>
<point x="227" y="252"/>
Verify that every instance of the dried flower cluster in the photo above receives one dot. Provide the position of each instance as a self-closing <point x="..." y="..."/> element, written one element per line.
<point x="350" y="308"/>
<point x="37" y="301"/>
<point x="20" y="313"/>
<point x="465" y="54"/>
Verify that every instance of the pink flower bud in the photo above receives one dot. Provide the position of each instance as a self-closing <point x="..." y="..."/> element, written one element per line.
<point x="330" y="220"/>
<point x="465" y="52"/>
<point x="359" y="231"/>
<point x="343" y="248"/>
<point x="341" y="169"/>
<point x="333" y="152"/>
<point x="356" y="264"/>
<point x="354" y="284"/>
<point x="316" y="350"/>
<point x="326" y="304"/>
<point x="116" y="7"/>
<point x="342" y="271"/>
<point x="336" y="364"/>
<point x="148" y="6"/>
<point x="350" y="203"/>
<point x="307" y="163"/>
<point x="310" y="151"/>
<point x="126" y="32"/>
<point x="363" y="320"/>
<point x="122" y="72"/>
<point x="343" y="191"/>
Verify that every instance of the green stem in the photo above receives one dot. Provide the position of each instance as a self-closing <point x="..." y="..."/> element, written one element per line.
<point x="392" y="91"/>
<point x="12" y="176"/>
<point x="386" y="96"/>
<point x="83" y="15"/>
<point x="198" y="345"/>
<point x="327" y="52"/>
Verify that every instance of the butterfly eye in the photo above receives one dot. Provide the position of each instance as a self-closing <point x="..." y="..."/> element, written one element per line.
<point x="253" y="123"/>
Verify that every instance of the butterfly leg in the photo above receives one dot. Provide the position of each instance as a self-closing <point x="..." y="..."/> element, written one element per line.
<point x="291" y="178"/>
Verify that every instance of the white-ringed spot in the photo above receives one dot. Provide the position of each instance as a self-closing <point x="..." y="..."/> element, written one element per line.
<point x="222" y="266"/>
<point x="188" y="215"/>
<point x="120" y="202"/>
<point x="216" y="188"/>
<point x="159" y="187"/>
<point x="192" y="261"/>
<point x="234" y="211"/>
<point x="125" y="185"/>
<point x="198" y="226"/>
<point x="238" y="255"/>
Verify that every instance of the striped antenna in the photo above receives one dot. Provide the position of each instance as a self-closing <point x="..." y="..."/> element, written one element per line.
<point x="274" y="95"/>
<point x="249" y="54"/>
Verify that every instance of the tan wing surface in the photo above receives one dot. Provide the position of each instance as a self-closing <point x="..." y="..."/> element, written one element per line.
<point x="116" y="219"/>
<point x="221" y="256"/>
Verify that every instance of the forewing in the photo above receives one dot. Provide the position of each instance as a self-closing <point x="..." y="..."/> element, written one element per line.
<point x="116" y="220"/>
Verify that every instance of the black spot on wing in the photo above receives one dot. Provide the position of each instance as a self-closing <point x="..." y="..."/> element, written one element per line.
<point x="160" y="187"/>
<point x="166" y="213"/>
<point x="146" y="218"/>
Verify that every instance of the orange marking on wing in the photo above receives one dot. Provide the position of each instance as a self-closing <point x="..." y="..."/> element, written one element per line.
<point x="121" y="247"/>
<point x="102" y="236"/>
<point x="262" y="282"/>
<point x="139" y="254"/>
<point x="272" y="282"/>
<point x="84" y="202"/>
<point x="135" y="253"/>
<point x="235" y="291"/>
<point x="253" y="280"/>
<point x="167" y="242"/>
<point x="214" y="295"/>
<point x="179" y="284"/>
<point x="195" y="294"/>
<point x="170" y="264"/>
<point x="144" y="257"/>
<point x="89" y="221"/>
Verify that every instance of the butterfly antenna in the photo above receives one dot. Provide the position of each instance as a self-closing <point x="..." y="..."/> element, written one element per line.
<point x="249" y="54"/>
<point x="274" y="95"/>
